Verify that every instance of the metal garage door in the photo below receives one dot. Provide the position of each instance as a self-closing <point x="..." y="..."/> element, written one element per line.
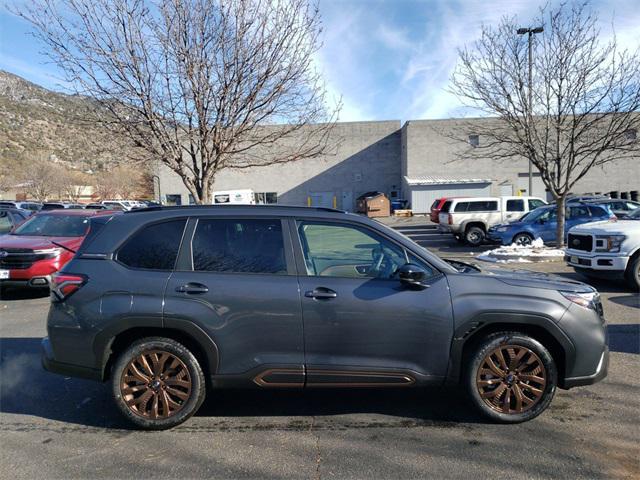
<point x="422" y="196"/>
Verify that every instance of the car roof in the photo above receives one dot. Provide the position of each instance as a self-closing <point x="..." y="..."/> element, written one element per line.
<point x="77" y="212"/>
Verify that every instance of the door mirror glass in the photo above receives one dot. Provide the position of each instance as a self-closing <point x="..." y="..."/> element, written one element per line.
<point x="412" y="275"/>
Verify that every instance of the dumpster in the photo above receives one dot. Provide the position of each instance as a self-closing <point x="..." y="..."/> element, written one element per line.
<point x="373" y="204"/>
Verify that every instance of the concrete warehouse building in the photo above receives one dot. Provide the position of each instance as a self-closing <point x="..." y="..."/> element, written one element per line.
<point x="417" y="161"/>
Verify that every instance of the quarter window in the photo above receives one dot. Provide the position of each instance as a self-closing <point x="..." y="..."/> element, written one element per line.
<point x="332" y="250"/>
<point x="240" y="246"/>
<point x="154" y="247"/>
<point x="515" y="205"/>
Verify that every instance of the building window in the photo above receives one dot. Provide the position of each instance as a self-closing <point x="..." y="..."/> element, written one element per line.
<point x="631" y="134"/>
<point x="266" y="197"/>
<point x="474" y="140"/>
<point x="192" y="201"/>
<point x="173" y="200"/>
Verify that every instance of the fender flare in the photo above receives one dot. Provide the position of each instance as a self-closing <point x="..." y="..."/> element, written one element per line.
<point x="470" y="330"/>
<point x="104" y="340"/>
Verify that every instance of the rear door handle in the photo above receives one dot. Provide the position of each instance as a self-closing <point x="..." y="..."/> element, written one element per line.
<point x="321" y="293"/>
<point x="192" y="288"/>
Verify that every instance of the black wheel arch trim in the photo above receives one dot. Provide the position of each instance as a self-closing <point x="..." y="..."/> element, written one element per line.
<point x="104" y="340"/>
<point x="483" y="322"/>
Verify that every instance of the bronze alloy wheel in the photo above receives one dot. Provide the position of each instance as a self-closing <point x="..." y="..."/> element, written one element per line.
<point x="156" y="384"/>
<point x="511" y="379"/>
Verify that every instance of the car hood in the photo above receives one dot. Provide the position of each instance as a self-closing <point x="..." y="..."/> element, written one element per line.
<point x="608" y="227"/>
<point x="38" y="242"/>
<point x="529" y="279"/>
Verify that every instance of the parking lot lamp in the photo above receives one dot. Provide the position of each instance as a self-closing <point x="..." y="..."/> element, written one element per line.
<point x="530" y="32"/>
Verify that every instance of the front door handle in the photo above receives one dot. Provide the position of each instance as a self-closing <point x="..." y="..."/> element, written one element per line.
<point x="321" y="293"/>
<point x="192" y="288"/>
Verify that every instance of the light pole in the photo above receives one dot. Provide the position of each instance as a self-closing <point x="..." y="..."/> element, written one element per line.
<point x="530" y="32"/>
<point x="159" y="194"/>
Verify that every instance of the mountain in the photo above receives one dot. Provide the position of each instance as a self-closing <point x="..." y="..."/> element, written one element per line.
<point x="36" y="122"/>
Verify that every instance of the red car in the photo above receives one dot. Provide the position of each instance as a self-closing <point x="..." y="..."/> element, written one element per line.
<point x="437" y="206"/>
<point x="39" y="247"/>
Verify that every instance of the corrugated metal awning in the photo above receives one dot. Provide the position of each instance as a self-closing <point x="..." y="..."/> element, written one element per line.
<point x="440" y="180"/>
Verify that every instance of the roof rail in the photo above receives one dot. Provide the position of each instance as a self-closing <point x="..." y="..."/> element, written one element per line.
<point x="200" y="207"/>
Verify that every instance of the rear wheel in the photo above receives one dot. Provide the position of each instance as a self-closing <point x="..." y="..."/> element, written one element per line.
<point x="157" y="383"/>
<point x="474" y="236"/>
<point x="523" y="239"/>
<point x="633" y="273"/>
<point x="511" y="377"/>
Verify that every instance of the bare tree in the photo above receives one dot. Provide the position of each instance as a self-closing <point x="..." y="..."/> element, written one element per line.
<point x="585" y="98"/>
<point x="201" y="85"/>
<point x="40" y="178"/>
<point x="72" y="184"/>
<point x="105" y="185"/>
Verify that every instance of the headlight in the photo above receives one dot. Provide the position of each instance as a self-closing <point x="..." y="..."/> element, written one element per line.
<point x="502" y="229"/>
<point x="48" y="252"/>
<point x="609" y="243"/>
<point x="586" y="300"/>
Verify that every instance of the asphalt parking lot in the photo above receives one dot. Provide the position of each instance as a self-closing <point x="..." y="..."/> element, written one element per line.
<point x="58" y="427"/>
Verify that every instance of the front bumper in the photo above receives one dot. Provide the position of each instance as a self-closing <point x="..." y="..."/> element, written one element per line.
<point x="594" y="261"/>
<point x="498" y="237"/>
<point x="50" y="364"/>
<point x="601" y="372"/>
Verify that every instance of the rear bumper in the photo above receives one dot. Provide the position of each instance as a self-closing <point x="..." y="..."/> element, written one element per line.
<point x="601" y="372"/>
<point x="39" y="281"/>
<point x="50" y="364"/>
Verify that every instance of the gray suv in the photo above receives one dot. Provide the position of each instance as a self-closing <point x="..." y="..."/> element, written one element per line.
<point x="163" y="302"/>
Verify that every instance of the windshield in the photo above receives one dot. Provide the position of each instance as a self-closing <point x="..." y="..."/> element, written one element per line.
<point x="537" y="214"/>
<point x="54" y="226"/>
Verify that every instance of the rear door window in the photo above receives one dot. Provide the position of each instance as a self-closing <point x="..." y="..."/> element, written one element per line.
<point x="155" y="247"/>
<point x="485" y="206"/>
<point x="581" y="212"/>
<point x="515" y="205"/>
<point x="239" y="246"/>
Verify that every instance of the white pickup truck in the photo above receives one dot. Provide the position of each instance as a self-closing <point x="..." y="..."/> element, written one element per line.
<point x="469" y="219"/>
<point x="607" y="249"/>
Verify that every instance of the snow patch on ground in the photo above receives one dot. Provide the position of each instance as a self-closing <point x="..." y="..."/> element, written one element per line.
<point x="536" y="252"/>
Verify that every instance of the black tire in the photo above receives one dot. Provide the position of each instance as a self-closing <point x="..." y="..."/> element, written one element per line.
<point x="541" y="357"/>
<point x="522" y="239"/>
<point x="474" y="236"/>
<point x="633" y="273"/>
<point x="187" y="364"/>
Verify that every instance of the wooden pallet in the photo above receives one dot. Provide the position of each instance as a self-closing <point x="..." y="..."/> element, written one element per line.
<point x="403" y="213"/>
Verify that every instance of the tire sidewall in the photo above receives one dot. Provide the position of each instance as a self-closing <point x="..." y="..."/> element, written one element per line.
<point x="480" y="234"/>
<point x="195" y="371"/>
<point x="494" y="341"/>
<point x="523" y="235"/>
<point x="632" y="273"/>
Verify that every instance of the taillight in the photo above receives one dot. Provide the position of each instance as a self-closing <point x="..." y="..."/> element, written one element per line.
<point x="65" y="284"/>
<point x="450" y="219"/>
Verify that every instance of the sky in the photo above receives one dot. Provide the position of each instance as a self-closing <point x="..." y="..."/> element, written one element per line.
<point x="385" y="59"/>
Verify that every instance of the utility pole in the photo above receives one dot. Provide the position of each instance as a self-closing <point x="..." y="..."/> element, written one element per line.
<point x="530" y="32"/>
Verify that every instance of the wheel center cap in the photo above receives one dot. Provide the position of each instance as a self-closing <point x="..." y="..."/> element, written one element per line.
<point x="510" y="378"/>
<point x="155" y="384"/>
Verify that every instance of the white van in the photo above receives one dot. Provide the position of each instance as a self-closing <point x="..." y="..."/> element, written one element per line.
<point x="233" y="197"/>
<point x="469" y="218"/>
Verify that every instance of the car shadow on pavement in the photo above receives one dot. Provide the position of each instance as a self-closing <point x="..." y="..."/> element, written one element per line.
<point x="624" y="338"/>
<point x="11" y="294"/>
<point x="28" y="390"/>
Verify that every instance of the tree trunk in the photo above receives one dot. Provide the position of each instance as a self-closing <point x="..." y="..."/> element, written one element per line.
<point x="561" y="203"/>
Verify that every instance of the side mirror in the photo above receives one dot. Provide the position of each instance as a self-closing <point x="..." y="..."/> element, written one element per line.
<point x="412" y="276"/>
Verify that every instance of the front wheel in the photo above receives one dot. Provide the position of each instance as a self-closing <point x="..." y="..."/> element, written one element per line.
<point x="633" y="273"/>
<point x="511" y="377"/>
<point x="157" y="383"/>
<point x="523" y="239"/>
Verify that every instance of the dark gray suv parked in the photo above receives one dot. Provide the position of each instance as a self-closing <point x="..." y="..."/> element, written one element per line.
<point x="164" y="301"/>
